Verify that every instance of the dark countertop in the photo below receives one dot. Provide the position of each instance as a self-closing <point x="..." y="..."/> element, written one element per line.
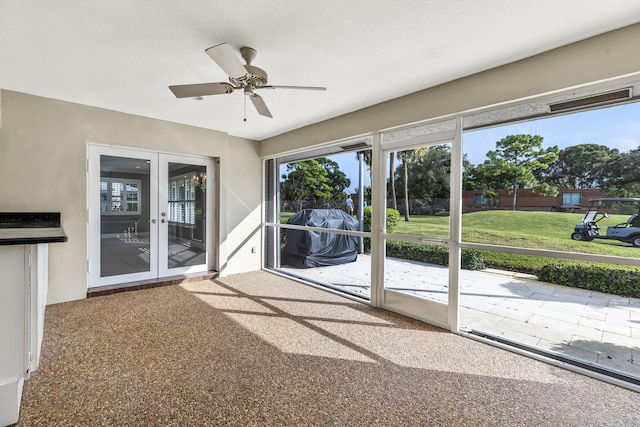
<point x="31" y="236"/>
<point x="29" y="228"/>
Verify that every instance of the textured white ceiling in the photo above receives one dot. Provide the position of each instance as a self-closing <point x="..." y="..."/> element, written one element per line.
<point x="123" y="54"/>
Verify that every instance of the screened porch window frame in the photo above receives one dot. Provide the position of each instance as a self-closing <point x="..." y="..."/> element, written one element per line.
<point x="517" y="110"/>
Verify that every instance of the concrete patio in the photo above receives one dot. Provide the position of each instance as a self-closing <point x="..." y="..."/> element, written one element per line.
<point x="593" y="327"/>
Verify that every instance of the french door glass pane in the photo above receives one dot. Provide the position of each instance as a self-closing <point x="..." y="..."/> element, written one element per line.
<point x="185" y="215"/>
<point x="124" y="215"/>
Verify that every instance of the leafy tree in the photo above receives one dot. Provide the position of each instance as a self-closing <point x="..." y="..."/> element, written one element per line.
<point x="578" y="166"/>
<point x="622" y="174"/>
<point x="408" y="156"/>
<point x="429" y="177"/>
<point x="338" y="181"/>
<point x="513" y="163"/>
<point x="471" y="180"/>
<point x="493" y="198"/>
<point x="319" y="180"/>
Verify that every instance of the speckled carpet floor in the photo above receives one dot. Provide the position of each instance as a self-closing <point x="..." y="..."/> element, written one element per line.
<point x="258" y="349"/>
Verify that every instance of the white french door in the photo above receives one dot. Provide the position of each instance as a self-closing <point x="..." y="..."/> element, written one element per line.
<point x="147" y="215"/>
<point x="182" y="221"/>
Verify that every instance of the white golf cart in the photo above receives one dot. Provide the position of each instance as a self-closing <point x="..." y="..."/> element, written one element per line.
<point x="628" y="232"/>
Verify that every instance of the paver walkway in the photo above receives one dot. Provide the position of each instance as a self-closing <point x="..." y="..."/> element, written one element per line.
<point x="593" y="327"/>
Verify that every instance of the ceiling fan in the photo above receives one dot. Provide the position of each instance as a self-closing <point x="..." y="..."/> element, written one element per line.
<point x="246" y="77"/>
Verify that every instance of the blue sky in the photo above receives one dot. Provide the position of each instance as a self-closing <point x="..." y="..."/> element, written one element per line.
<point x="349" y="165"/>
<point x="616" y="127"/>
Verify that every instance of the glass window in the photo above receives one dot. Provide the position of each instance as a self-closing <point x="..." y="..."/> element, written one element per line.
<point x="181" y="200"/>
<point x="479" y="199"/>
<point x="574" y="199"/>
<point x="120" y="196"/>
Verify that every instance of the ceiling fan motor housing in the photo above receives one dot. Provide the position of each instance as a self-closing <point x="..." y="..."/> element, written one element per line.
<point x="256" y="77"/>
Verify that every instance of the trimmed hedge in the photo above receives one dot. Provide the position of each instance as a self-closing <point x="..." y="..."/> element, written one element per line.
<point x="393" y="218"/>
<point x="433" y="254"/>
<point x="609" y="280"/>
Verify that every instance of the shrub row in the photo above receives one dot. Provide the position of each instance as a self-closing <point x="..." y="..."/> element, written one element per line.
<point x="393" y="218"/>
<point x="433" y="254"/>
<point x="595" y="278"/>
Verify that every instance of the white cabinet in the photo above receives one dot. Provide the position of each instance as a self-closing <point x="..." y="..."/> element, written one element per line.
<point x="23" y="292"/>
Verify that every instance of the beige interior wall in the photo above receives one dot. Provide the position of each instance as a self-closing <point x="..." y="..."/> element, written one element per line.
<point x="599" y="58"/>
<point x="244" y="193"/>
<point x="43" y="151"/>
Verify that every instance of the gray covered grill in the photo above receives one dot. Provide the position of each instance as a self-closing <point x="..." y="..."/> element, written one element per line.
<point x="307" y="249"/>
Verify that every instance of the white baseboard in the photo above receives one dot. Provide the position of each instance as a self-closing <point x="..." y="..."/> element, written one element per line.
<point x="10" y="398"/>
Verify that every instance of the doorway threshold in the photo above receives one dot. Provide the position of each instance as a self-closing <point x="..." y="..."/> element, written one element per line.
<point x="148" y="284"/>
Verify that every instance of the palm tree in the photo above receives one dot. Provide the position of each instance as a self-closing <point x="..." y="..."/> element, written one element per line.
<point x="367" y="157"/>
<point x="405" y="156"/>
<point x="392" y="179"/>
<point x="408" y="156"/>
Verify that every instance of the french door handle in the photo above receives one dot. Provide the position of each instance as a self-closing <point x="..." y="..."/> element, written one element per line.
<point x="152" y="221"/>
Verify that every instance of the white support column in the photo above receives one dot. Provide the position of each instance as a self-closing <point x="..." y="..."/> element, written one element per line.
<point x="361" y="200"/>
<point x="455" y="224"/>
<point x="378" y="221"/>
<point x="271" y="213"/>
<point x="222" y="209"/>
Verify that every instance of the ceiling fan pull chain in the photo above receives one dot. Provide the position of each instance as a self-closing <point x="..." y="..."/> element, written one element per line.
<point x="245" y="109"/>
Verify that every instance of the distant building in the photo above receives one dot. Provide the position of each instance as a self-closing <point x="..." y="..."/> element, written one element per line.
<point x="567" y="200"/>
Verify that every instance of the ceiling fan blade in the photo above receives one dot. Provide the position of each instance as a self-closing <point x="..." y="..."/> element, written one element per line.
<point x="258" y="102"/>
<point x="225" y="56"/>
<point x="292" y="87"/>
<point x="201" y="89"/>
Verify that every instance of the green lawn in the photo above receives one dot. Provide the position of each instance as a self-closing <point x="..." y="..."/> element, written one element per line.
<point x="540" y="230"/>
<point x="284" y="216"/>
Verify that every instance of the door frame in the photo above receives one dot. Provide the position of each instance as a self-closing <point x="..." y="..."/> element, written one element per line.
<point x="163" y="175"/>
<point x="444" y="315"/>
<point x="94" y="151"/>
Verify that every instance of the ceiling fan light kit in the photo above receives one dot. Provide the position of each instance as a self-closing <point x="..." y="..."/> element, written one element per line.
<point x="246" y="77"/>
